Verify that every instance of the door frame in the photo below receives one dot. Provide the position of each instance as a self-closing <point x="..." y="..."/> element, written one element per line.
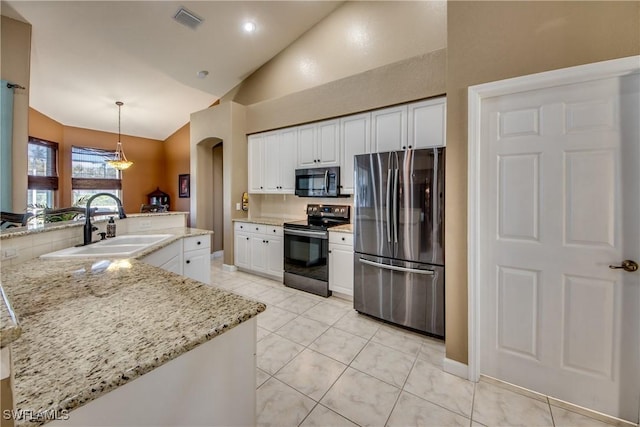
<point x="476" y="95"/>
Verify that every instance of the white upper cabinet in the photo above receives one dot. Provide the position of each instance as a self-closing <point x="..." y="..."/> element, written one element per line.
<point x="319" y="144"/>
<point x="389" y="129"/>
<point x="427" y="123"/>
<point x="355" y="138"/>
<point x="328" y="143"/>
<point x="272" y="162"/>
<point x="256" y="163"/>
<point x="307" y="157"/>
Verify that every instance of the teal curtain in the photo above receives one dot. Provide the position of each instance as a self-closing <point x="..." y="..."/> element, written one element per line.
<point x="6" y="142"/>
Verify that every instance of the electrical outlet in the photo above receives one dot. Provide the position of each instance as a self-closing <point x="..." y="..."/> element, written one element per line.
<point x="238" y="206"/>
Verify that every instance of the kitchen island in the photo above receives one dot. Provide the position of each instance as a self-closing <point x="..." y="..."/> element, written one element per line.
<point x="135" y="344"/>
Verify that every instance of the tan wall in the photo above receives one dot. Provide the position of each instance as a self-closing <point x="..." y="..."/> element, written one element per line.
<point x="356" y="37"/>
<point x="217" y="243"/>
<point x="15" y="67"/>
<point x="147" y="155"/>
<point x="490" y="41"/>
<point x="176" y="162"/>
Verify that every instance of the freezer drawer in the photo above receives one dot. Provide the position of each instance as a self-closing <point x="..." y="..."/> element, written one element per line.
<point x="405" y="293"/>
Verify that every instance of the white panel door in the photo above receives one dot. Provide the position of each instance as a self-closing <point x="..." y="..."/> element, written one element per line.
<point x="307" y="154"/>
<point x="328" y="141"/>
<point x="242" y="249"/>
<point x="355" y="138"/>
<point x="255" y="163"/>
<point x="560" y="190"/>
<point x="389" y="129"/>
<point x="271" y="144"/>
<point x="275" y="256"/>
<point x="288" y="153"/>
<point x="258" y="253"/>
<point x="427" y="123"/>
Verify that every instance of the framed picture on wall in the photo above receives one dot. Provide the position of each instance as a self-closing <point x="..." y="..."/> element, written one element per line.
<point x="183" y="185"/>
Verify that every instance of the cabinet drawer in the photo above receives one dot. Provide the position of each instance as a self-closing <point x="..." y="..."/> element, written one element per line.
<point x="341" y="238"/>
<point x="257" y="228"/>
<point x="197" y="242"/>
<point x="242" y="226"/>
<point x="272" y="230"/>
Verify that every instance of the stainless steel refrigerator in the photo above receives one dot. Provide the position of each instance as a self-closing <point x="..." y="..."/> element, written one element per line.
<point x="399" y="238"/>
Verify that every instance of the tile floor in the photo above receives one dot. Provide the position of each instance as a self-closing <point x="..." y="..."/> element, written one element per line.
<point x="320" y="363"/>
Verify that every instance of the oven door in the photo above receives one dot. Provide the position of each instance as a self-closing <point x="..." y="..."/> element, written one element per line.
<point x="306" y="253"/>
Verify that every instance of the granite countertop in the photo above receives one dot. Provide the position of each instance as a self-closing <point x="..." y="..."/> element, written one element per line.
<point x="266" y="220"/>
<point x="39" y="228"/>
<point x="346" y="228"/>
<point x="90" y="326"/>
<point x="10" y="330"/>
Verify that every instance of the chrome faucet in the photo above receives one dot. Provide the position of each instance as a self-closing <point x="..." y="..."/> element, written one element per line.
<point x="88" y="227"/>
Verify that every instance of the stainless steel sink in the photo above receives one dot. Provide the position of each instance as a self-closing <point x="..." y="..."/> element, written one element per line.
<point x="118" y="247"/>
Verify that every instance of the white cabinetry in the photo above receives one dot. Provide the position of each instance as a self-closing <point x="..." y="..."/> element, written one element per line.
<point x="427" y="123"/>
<point x="259" y="248"/>
<point x="341" y="262"/>
<point x="188" y="257"/>
<point x="410" y="126"/>
<point x="197" y="258"/>
<point x="319" y="144"/>
<point x="272" y="162"/>
<point x="355" y="137"/>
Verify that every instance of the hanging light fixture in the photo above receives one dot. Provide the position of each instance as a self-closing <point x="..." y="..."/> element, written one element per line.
<point x="119" y="160"/>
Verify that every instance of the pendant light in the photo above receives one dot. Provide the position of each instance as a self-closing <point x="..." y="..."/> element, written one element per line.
<point x="119" y="160"/>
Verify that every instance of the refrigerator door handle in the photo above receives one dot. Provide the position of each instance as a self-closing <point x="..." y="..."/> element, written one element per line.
<point x="388" y="208"/>
<point x="396" y="268"/>
<point x="395" y="206"/>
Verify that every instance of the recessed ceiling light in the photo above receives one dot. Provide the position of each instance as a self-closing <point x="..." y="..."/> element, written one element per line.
<point x="249" y="27"/>
<point x="202" y="74"/>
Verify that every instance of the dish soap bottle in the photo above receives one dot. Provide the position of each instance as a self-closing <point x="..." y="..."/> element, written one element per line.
<point x="111" y="227"/>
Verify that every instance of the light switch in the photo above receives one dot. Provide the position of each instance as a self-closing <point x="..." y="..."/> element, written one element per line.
<point x="238" y="206"/>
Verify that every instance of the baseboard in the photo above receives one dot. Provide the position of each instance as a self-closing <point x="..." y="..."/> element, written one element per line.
<point x="455" y="368"/>
<point x="217" y="254"/>
<point x="231" y="268"/>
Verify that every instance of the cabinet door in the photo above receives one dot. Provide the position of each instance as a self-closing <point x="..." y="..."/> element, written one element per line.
<point x="256" y="163"/>
<point x="288" y="160"/>
<point x="242" y="250"/>
<point x="341" y="269"/>
<point x="174" y="265"/>
<point x="389" y="129"/>
<point x="275" y="256"/>
<point x="328" y="143"/>
<point x="355" y="136"/>
<point x="197" y="265"/>
<point x="258" y="253"/>
<point x="271" y="154"/>
<point x="307" y="157"/>
<point x="427" y="123"/>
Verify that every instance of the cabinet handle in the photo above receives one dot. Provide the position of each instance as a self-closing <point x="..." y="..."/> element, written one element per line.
<point x="343" y="239"/>
<point x="247" y="238"/>
<point x="200" y="242"/>
<point x="409" y="147"/>
<point x="257" y="228"/>
<point x="403" y="147"/>
<point x="188" y="261"/>
<point x="329" y="252"/>
<point x="274" y="230"/>
<point x="241" y="226"/>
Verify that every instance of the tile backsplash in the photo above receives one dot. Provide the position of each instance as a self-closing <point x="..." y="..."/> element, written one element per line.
<point x="288" y="206"/>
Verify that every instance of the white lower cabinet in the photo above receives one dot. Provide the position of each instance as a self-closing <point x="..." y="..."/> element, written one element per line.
<point x="189" y="257"/>
<point x="341" y="262"/>
<point x="259" y="248"/>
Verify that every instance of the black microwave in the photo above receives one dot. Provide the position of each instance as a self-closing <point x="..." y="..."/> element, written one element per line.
<point x="318" y="182"/>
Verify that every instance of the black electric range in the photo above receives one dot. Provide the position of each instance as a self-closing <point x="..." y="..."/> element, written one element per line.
<point x="306" y="248"/>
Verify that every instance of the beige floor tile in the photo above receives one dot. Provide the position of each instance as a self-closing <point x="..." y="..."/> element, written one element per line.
<point x="495" y="405"/>
<point x="279" y="405"/>
<point x="324" y="417"/>
<point x="564" y="418"/>
<point x="361" y="398"/>
<point x="339" y="345"/>
<point x="261" y="333"/>
<point x="261" y="377"/>
<point x="273" y="296"/>
<point x="311" y="373"/>
<point x="399" y="339"/>
<point x="384" y="363"/>
<point x="358" y="324"/>
<point x="326" y="313"/>
<point x="431" y="354"/>
<point x="273" y="318"/>
<point x="413" y="411"/>
<point x="436" y="386"/>
<point x="297" y="303"/>
<point x="273" y="352"/>
<point x="302" y="330"/>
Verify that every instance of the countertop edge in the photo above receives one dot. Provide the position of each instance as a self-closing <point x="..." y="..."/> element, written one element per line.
<point x="10" y="328"/>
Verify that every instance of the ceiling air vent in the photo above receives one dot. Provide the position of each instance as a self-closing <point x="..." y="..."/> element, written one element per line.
<point x="187" y="18"/>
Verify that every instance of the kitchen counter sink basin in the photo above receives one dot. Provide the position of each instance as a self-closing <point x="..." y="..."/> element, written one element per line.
<point x="117" y="247"/>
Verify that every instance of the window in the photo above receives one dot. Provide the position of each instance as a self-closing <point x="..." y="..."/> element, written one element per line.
<point x="91" y="175"/>
<point x="42" y="171"/>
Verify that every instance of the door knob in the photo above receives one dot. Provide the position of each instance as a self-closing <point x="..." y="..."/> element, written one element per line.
<point x="627" y="265"/>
